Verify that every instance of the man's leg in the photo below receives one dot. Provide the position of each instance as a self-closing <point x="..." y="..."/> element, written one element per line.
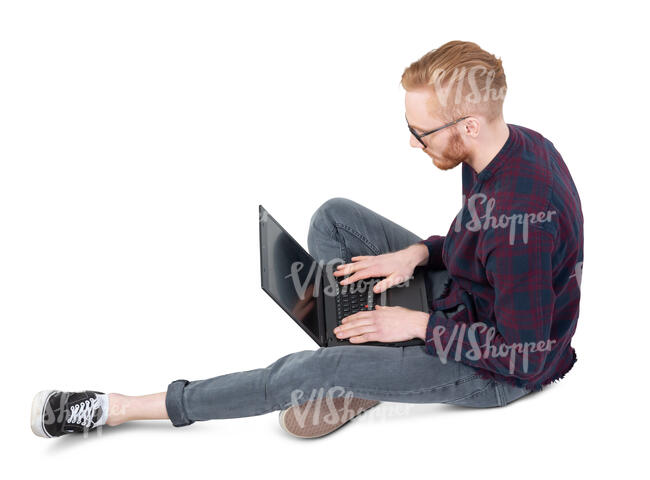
<point x="394" y="374"/>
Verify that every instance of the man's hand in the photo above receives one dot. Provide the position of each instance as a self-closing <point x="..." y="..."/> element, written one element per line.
<point x="397" y="267"/>
<point x="384" y="324"/>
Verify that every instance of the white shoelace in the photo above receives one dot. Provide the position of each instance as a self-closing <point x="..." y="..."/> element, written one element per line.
<point x="82" y="413"/>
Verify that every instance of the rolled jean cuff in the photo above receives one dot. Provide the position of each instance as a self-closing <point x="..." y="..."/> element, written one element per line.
<point x="174" y="403"/>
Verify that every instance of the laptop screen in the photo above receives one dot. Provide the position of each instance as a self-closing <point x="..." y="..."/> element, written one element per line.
<point x="289" y="274"/>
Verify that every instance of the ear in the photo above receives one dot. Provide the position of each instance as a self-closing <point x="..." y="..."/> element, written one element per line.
<point x="472" y="127"/>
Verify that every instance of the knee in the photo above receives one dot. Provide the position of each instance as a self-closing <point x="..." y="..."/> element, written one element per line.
<point x="328" y="213"/>
<point x="299" y="376"/>
<point x="291" y="372"/>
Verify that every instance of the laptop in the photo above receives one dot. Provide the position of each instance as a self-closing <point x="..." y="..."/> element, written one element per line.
<point x="311" y="295"/>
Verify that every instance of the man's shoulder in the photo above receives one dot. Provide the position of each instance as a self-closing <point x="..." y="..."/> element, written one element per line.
<point x="523" y="186"/>
<point x="528" y="134"/>
<point x="540" y="170"/>
<point x="533" y="153"/>
<point x="525" y="181"/>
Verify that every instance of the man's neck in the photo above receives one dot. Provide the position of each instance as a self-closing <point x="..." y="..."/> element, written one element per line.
<point x="496" y="136"/>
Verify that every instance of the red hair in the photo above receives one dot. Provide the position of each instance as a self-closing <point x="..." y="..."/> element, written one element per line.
<point x="465" y="79"/>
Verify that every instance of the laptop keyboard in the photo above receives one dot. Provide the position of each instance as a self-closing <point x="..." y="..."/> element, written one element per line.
<point x="355" y="297"/>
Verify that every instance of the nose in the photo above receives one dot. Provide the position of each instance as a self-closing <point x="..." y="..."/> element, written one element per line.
<point x="414" y="142"/>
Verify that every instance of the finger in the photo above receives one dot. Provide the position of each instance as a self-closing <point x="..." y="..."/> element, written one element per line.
<point x="386" y="307"/>
<point x="382" y="285"/>
<point x="351" y="326"/>
<point x="386" y="283"/>
<point x="352" y="262"/>
<point x="343" y="272"/>
<point x="360" y="275"/>
<point x="379" y="286"/>
<point x="360" y="257"/>
<point x="354" y="332"/>
<point x="348" y="332"/>
<point x="362" y="315"/>
<point x="366" y="337"/>
<point x="344" y="269"/>
<point x="349" y="268"/>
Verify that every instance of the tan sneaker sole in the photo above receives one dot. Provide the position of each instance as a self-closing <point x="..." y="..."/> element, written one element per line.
<point x="317" y="418"/>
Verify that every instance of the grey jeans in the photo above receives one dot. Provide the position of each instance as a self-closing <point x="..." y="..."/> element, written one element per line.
<point x="341" y="228"/>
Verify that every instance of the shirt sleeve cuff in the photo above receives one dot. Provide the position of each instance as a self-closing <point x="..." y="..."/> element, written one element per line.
<point x="436" y="318"/>
<point x="434" y="244"/>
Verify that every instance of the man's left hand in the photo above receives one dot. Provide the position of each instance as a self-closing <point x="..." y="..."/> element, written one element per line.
<point x="384" y="324"/>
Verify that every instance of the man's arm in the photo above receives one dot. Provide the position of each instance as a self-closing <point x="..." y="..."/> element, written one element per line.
<point x="521" y="275"/>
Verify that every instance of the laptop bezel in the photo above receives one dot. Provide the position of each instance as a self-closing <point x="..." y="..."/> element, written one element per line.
<point x="320" y="321"/>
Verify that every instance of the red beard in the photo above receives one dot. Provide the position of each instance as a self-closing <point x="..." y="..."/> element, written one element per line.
<point x="453" y="154"/>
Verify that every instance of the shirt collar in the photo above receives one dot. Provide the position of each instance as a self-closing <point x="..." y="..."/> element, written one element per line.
<point x="500" y="158"/>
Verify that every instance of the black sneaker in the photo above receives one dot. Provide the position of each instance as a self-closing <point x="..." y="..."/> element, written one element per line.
<point x="55" y="413"/>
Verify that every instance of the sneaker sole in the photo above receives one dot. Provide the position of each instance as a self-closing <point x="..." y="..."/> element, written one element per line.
<point x="38" y="413"/>
<point x="290" y="423"/>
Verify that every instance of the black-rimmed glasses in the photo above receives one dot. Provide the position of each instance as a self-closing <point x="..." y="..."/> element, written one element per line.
<point x="420" y="135"/>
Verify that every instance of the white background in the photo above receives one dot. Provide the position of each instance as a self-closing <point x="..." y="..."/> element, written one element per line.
<point x="137" y="140"/>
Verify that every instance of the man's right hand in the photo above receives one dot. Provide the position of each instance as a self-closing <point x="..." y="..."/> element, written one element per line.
<point x="396" y="267"/>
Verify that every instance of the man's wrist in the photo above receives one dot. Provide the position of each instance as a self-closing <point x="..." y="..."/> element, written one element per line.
<point x="420" y="325"/>
<point x="418" y="254"/>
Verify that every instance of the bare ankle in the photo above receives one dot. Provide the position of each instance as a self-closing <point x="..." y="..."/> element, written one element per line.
<point x="117" y="409"/>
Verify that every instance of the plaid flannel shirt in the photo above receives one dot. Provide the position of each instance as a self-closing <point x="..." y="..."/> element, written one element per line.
<point x="514" y="255"/>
